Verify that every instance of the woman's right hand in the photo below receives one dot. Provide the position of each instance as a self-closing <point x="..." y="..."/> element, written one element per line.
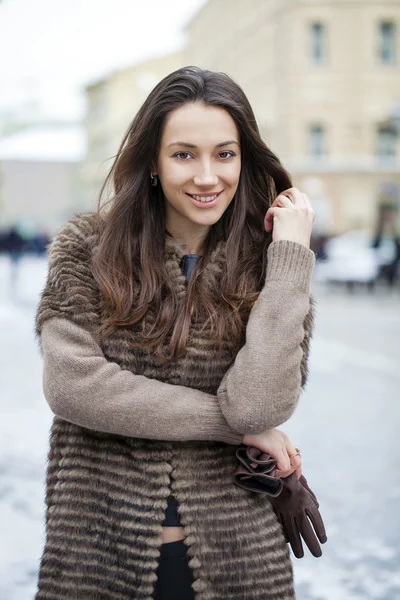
<point x="290" y="217"/>
<point x="278" y="445"/>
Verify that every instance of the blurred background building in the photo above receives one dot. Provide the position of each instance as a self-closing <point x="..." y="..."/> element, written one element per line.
<point x="323" y="78"/>
<point x="111" y="105"/>
<point x="39" y="175"/>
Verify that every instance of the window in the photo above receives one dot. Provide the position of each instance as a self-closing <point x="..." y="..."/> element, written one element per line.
<point x="387" y="43"/>
<point x="316" y="142"/>
<point x="386" y="145"/>
<point x="317" y="40"/>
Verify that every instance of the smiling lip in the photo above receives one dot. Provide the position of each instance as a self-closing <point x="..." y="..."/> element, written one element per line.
<point x="200" y="204"/>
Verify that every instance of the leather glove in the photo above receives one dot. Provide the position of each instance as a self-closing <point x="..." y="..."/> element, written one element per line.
<point x="256" y="471"/>
<point x="294" y="503"/>
<point x="296" y="506"/>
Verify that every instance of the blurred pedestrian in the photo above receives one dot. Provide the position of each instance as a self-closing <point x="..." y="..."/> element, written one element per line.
<point x="175" y="326"/>
<point x="14" y="245"/>
<point x="387" y="232"/>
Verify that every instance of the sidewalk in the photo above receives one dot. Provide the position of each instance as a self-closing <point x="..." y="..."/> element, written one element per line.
<point x="346" y="425"/>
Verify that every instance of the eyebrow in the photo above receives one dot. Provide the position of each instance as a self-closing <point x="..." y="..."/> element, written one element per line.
<point x="188" y="145"/>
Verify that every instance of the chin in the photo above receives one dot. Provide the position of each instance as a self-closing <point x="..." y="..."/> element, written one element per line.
<point x="210" y="220"/>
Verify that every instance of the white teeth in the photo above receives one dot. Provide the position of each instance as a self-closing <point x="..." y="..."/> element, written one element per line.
<point x="205" y="198"/>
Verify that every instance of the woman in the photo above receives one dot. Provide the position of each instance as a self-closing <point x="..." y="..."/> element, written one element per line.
<point x="172" y="330"/>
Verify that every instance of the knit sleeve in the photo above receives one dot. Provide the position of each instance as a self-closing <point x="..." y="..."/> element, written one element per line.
<point x="84" y="388"/>
<point x="80" y="384"/>
<point x="262" y="388"/>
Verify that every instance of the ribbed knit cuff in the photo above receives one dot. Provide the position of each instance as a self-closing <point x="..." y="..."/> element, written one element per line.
<point x="290" y="261"/>
<point x="218" y="429"/>
<point x="234" y="440"/>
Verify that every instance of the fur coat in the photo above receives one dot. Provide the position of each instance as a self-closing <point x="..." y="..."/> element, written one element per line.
<point x="106" y="494"/>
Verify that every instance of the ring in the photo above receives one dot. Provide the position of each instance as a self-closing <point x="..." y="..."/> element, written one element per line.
<point x="298" y="453"/>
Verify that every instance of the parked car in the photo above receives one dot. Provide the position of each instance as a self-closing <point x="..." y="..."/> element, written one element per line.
<point x="351" y="258"/>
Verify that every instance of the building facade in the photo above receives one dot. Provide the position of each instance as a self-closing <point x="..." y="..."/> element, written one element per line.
<point x="39" y="177"/>
<point x="323" y="77"/>
<point x="112" y="104"/>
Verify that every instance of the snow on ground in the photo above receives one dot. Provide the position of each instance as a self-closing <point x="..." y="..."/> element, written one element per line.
<point x="346" y="426"/>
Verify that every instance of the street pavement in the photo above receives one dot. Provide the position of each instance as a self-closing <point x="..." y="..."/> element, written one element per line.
<point x="346" y="426"/>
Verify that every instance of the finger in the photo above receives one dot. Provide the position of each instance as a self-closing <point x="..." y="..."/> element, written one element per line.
<point x="304" y="483"/>
<point x="269" y="218"/>
<point x="290" y="460"/>
<point x="282" y="474"/>
<point x="295" y="457"/>
<point x="282" y="201"/>
<point x="293" y="535"/>
<point x="296" y="464"/>
<point x="282" y="460"/>
<point x="307" y="202"/>
<point x="295" y="460"/>
<point x="294" y="195"/>
<point x="309" y="536"/>
<point x="318" y="524"/>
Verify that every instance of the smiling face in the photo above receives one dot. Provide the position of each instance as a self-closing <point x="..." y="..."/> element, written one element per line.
<point x="199" y="168"/>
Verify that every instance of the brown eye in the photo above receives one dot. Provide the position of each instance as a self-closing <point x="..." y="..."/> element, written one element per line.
<point x="227" y="152"/>
<point x="180" y="154"/>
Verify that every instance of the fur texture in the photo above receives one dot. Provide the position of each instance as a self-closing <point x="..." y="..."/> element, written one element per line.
<point x="106" y="494"/>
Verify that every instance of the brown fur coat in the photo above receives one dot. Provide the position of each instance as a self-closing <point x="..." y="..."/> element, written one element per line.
<point x="106" y="494"/>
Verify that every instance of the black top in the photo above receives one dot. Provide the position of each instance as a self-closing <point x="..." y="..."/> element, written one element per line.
<point x="187" y="264"/>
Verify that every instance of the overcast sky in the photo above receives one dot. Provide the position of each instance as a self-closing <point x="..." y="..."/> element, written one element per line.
<point x="50" y="48"/>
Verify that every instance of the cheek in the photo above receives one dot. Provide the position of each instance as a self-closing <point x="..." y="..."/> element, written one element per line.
<point x="232" y="174"/>
<point x="173" y="177"/>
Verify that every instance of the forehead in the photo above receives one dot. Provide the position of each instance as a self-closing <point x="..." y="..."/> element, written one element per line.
<point x="200" y="125"/>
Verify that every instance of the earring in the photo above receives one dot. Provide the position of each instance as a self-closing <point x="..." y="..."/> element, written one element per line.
<point x="153" y="179"/>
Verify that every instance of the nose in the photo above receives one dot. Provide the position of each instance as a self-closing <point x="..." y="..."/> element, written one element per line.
<point x="205" y="177"/>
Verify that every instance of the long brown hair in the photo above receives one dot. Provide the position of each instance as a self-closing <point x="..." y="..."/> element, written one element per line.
<point x="129" y="262"/>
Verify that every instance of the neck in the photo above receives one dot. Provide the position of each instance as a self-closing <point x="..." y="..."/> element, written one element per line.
<point x="192" y="241"/>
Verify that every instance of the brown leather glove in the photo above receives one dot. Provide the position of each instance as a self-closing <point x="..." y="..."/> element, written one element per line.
<point x="295" y="504"/>
<point x="256" y="471"/>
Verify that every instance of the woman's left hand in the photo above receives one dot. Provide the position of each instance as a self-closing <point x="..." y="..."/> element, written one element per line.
<point x="277" y="444"/>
